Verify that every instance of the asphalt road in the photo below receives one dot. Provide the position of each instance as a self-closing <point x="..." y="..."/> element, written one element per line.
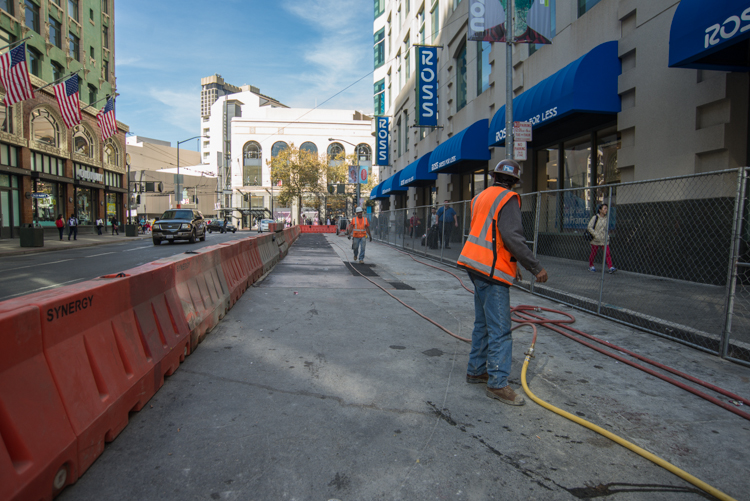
<point x="35" y="272"/>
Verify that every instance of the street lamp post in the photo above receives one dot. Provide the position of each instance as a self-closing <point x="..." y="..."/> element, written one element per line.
<point x="129" y="201"/>
<point x="356" y="202"/>
<point x="178" y="188"/>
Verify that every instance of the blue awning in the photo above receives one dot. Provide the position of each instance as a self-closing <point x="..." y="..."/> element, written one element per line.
<point x="710" y="35"/>
<point x="376" y="193"/>
<point x="391" y="185"/>
<point x="418" y="173"/>
<point x="587" y="85"/>
<point x="463" y="151"/>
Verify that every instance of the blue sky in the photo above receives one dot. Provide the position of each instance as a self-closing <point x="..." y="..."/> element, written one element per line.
<point x="296" y="51"/>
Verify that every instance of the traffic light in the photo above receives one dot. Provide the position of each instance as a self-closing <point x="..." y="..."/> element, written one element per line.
<point x="331" y="188"/>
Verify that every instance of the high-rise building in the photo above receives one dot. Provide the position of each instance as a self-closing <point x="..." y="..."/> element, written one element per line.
<point x="47" y="169"/>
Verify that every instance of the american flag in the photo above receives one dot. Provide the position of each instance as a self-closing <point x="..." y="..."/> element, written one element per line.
<point x="106" y="119"/>
<point x="66" y="93"/>
<point x="14" y="75"/>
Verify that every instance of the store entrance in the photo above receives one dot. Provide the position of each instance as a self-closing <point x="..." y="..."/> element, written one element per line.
<point x="5" y="216"/>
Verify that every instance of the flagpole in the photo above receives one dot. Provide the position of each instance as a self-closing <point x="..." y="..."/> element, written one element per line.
<point x="14" y="44"/>
<point x="99" y="100"/>
<point x="58" y="80"/>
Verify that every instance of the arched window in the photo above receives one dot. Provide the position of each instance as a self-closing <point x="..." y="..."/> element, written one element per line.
<point x="111" y="152"/>
<point x="278" y="147"/>
<point x="83" y="143"/>
<point x="334" y="150"/>
<point x="364" y="153"/>
<point x="310" y="147"/>
<point x="44" y="128"/>
<point x="252" y="168"/>
<point x="252" y="153"/>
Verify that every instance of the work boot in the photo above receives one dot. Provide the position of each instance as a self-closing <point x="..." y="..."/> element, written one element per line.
<point x="506" y="395"/>
<point x="480" y="379"/>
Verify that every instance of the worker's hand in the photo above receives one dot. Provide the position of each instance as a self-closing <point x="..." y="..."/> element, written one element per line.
<point x="348" y="237"/>
<point x="519" y="277"/>
<point x="370" y="238"/>
<point x="541" y="277"/>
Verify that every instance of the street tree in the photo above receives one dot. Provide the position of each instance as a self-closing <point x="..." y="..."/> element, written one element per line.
<point x="300" y="172"/>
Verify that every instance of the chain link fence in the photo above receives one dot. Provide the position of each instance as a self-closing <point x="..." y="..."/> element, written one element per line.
<point x="674" y="257"/>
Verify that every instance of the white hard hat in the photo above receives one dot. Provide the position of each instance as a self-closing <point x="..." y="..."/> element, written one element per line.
<point x="509" y="168"/>
<point x="359" y="209"/>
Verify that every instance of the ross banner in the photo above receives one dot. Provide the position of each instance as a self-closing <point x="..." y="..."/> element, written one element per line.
<point x="427" y="86"/>
<point x="534" y="21"/>
<point x="381" y="148"/>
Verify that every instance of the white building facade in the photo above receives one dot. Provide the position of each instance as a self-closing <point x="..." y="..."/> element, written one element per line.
<point x="246" y="129"/>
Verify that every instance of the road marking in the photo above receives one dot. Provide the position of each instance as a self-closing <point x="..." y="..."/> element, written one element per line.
<point x="35" y="265"/>
<point x="146" y="247"/>
<point x="43" y="288"/>
<point x="97" y="255"/>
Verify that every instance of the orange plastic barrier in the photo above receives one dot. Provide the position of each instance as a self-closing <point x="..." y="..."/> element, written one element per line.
<point x="281" y="242"/>
<point x="325" y="228"/>
<point x="241" y="265"/>
<point x="38" y="450"/>
<point x="269" y="251"/>
<point x="97" y="359"/>
<point x="202" y="289"/>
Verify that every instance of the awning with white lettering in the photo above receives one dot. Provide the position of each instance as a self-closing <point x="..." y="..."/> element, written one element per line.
<point x="391" y="186"/>
<point x="711" y="35"/>
<point x="465" y="151"/>
<point x="418" y="173"/>
<point x="377" y="193"/>
<point x="587" y="85"/>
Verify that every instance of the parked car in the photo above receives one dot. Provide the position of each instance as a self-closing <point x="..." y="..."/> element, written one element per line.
<point x="179" y="224"/>
<point x="263" y="225"/>
<point x="218" y="225"/>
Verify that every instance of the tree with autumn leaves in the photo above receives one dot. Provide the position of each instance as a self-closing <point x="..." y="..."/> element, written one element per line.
<point x="303" y="173"/>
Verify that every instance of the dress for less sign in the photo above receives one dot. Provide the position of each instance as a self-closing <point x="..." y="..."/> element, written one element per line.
<point x="381" y="147"/>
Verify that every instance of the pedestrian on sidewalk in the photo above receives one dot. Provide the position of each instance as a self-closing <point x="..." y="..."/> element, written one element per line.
<point x="598" y="228"/>
<point x="114" y="222"/>
<point x="99" y="226"/>
<point x="447" y="220"/>
<point x="60" y="225"/>
<point x="359" y="228"/>
<point x="73" y="227"/>
<point x="496" y="244"/>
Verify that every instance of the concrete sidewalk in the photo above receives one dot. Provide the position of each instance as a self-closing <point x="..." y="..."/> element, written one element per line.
<point x="12" y="246"/>
<point x="318" y="385"/>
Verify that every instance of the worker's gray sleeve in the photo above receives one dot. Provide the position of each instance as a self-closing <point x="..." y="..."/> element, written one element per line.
<point x="511" y="230"/>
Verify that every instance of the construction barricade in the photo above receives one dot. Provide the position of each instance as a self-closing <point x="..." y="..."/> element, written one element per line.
<point x="38" y="448"/>
<point x="318" y="228"/>
<point x="241" y="264"/>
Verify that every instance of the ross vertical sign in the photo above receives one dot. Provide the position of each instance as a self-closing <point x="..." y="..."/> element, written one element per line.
<point x="533" y="21"/>
<point x="381" y="148"/>
<point x="427" y="86"/>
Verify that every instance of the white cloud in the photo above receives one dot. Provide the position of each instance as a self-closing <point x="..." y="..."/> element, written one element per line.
<point x="181" y="108"/>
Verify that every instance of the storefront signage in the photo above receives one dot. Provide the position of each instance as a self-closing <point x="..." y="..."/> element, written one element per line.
<point x="440" y="165"/>
<point x="86" y="175"/>
<point x="726" y="30"/>
<point x="382" y="144"/>
<point x="535" y="120"/>
<point x="39" y="195"/>
<point x="427" y="86"/>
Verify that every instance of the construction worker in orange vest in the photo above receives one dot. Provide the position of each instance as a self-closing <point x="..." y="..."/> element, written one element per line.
<point x="495" y="245"/>
<point x="359" y="228"/>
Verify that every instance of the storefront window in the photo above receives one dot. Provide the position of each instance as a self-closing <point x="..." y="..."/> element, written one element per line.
<point x="479" y="185"/>
<point x="85" y="205"/>
<point x="112" y="179"/>
<point x="609" y="145"/>
<point x="5" y="122"/>
<point x="548" y="162"/>
<point x="82" y="141"/>
<point x="577" y="162"/>
<point x="112" y="206"/>
<point x="8" y="153"/>
<point x="47" y="164"/>
<point x="111" y="153"/>
<point x="46" y="209"/>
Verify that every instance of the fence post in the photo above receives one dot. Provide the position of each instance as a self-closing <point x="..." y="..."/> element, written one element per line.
<point x="734" y="252"/>
<point x="532" y="280"/>
<point x="604" y="257"/>
<point x="463" y="226"/>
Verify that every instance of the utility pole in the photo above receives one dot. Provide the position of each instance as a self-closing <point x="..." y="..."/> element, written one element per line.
<point x="509" y="36"/>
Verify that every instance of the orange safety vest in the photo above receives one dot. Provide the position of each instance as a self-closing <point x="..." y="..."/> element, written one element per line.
<point x="484" y="251"/>
<point x="359" y="227"/>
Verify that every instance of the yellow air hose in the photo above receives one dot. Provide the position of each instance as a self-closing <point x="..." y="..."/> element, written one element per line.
<point x="651" y="457"/>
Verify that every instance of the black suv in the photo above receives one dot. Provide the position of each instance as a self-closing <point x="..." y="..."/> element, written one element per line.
<point x="179" y="224"/>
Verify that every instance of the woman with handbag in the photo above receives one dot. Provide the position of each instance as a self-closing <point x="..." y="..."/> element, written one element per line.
<point x="598" y="229"/>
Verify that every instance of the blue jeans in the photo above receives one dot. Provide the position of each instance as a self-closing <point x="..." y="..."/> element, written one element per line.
<point x="358" y="245"/>
<point x="491" y="340"/>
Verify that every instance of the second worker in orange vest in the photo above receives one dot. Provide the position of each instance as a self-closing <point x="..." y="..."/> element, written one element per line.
<point x="495" y="245"/>
<point x="359" y="228"/>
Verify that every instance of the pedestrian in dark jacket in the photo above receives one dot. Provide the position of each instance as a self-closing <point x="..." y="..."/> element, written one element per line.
<point x="114" y="225"/>
<point x="73" y="227"/>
